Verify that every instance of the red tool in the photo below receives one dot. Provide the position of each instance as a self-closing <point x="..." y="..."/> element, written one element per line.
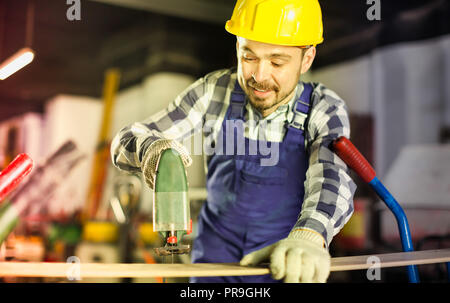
<point x="345" y="149"/>
<point x="14" y="173"/>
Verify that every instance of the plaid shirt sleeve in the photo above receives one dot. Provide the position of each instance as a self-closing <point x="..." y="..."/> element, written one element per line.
<point x="329" y="189"/>
<point x="178" y="121"/>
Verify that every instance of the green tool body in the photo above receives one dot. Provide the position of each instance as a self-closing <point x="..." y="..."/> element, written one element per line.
<point x="9" y="217"/>
<point x="171" y="212"/>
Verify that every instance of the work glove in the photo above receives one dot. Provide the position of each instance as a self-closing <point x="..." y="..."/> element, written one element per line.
<point x="301" y="257"/>
<point x="151" y="157"/>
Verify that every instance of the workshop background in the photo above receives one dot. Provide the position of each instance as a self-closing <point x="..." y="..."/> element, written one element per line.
<point x="120" y="61"/>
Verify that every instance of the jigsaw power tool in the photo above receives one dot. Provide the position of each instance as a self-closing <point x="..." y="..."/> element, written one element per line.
<point x="171" y="212"/>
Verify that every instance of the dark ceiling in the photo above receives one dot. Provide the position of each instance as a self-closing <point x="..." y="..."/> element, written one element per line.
<point x="145" y="36"/>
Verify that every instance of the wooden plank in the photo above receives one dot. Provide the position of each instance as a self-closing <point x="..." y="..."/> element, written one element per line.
<point x="98" y="270"/>
<point x="391" y="260"/>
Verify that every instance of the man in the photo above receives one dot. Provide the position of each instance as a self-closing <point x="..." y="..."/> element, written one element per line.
<point x="286" y="205"/>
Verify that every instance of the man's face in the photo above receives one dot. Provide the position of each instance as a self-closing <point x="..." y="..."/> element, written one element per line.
<point x="268" y="73"/>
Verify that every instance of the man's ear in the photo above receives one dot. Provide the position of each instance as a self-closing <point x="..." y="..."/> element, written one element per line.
<point x="308" y="58"/>
<point x="237" y="46"/>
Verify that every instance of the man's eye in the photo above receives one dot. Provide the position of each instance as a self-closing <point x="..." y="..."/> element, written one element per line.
<point x="249" y="59"/>
<point x="277" y="64"/>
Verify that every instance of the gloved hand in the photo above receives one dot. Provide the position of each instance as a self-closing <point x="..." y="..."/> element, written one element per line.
<point x="151" y="157"/>
<point x="301" y="257"/>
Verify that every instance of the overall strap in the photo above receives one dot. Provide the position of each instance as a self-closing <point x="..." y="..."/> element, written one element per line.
<point x="296" y="128"/>
<point x="237" y="102"/>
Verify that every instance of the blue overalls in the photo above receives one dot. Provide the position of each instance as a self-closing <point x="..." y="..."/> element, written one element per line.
<point x="250" y="206"/>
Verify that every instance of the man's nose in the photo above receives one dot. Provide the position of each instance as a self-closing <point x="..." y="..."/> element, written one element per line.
<point x="262" y="72"/>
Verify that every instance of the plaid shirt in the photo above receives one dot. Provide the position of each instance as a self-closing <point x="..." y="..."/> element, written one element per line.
<point x="329" y="190"/>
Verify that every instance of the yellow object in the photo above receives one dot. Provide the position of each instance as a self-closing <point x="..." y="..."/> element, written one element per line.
<point x="59" y="247"/>
<point x="97" y="231"/>
<point x="102" y="153"/>
<point x="146" y="233"/>
<point x="355" y="226"/>
<point x="282" y="22"/>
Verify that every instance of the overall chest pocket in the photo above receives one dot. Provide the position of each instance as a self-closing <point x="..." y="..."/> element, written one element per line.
<point x="263" y="175"/>
<point x="260" y="189"/>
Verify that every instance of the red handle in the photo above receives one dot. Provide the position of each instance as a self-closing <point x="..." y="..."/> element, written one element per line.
<point x="189" y="231"/>
<point x="353" y="158"/>
<point x="14" y="173"/>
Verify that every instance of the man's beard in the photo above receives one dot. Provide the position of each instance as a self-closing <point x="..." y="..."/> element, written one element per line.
<point x="257" y="102"/>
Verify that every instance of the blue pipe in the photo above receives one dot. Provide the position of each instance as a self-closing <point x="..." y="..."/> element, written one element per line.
<point x="448" y="271"/>
<point x="402" y="222"/>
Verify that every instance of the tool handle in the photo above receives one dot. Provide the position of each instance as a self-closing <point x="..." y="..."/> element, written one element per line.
<point x="14" y="173"/>
<point x="345" y="149"/>
<point x="355" y="160"/>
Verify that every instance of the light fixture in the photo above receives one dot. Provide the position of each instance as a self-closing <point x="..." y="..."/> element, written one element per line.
<point x="25" y="55"/>
<point x="16" y="62"/>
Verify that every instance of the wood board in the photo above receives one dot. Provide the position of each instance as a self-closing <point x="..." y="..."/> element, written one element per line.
<point x="136" y="270"/>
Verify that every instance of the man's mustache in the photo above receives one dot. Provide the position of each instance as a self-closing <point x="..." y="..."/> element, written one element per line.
<point x="261" y="85"/>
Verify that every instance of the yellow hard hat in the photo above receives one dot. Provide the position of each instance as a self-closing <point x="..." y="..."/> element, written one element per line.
<point x="282" y="22"/>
